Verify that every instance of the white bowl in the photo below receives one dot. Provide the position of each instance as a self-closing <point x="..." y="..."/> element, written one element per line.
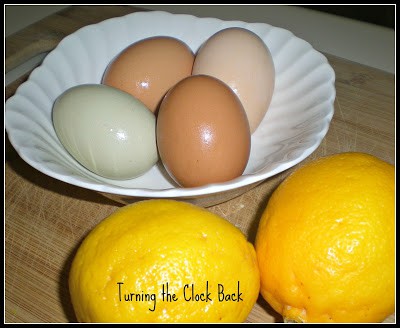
<point x="295" y="124"/>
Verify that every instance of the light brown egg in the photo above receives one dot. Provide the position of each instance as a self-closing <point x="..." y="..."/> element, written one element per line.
<point x="148" y="68"/>
<point x="203" y="134"/>
<point x="241" y="59"/>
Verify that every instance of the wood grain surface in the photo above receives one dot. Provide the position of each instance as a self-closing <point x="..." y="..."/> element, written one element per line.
<point x="46" y="219"/>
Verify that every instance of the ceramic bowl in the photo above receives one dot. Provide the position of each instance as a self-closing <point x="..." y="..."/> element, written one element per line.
<point x="296" y="122"/>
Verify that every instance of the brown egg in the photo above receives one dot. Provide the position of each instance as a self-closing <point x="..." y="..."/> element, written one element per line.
<point x="148" y="68"/>
<point x="203" y="134"/>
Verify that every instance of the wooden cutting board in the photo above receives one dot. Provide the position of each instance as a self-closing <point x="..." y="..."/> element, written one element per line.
<point x="46" y="219"/>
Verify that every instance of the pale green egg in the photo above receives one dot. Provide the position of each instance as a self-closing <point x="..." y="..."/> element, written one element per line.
<point x="108" y="131"/>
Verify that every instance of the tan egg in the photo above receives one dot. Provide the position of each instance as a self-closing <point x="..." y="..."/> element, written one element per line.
<point x="241" y="59"/>
<point x="148" y="68"/>
<point x="202" y="132"/>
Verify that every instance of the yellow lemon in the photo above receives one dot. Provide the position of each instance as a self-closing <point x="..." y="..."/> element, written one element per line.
<point x="164" y="261"/>
<point x="326" y="241"/>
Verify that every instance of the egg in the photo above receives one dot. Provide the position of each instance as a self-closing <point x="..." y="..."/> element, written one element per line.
<point x="106" y="130"/>
<point x="148" y="68"/>
<point x="202" y="131"/>
<point x="241" y="59"/>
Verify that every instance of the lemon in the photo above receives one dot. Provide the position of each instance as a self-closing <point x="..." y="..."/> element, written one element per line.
<point x="326" y="241"/>
<point x="164" y="261"/>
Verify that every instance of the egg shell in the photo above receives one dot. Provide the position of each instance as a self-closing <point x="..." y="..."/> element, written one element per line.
<point x="108" y="131"/>
<point x="203" y="134"/>
<point x="241" y="59"/>
<point x="147" y="69"/>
